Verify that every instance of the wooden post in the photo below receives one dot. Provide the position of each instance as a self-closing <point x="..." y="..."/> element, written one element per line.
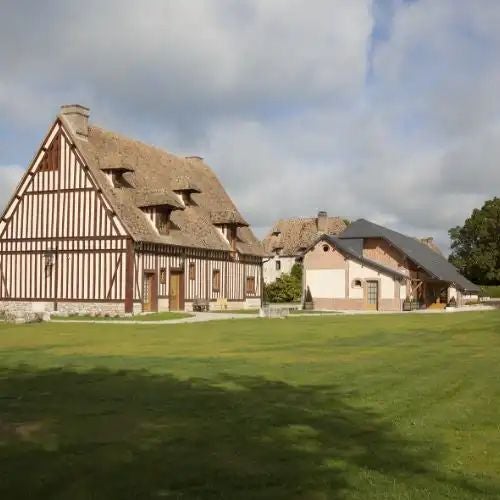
<point x="129" y="277"/>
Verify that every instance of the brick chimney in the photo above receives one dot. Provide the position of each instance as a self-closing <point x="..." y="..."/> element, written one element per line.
<point x="322" y="221"/>
<point x="78" y="118"/>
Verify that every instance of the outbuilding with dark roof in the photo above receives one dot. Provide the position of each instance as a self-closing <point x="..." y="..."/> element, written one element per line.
<point x="368" y="266"/>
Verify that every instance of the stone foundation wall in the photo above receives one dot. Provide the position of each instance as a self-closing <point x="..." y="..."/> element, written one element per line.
<point x="20" y="308"/>
<point x="111" y="308"/>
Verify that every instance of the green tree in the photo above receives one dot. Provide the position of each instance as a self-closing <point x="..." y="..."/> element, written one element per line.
<point x="287" y="288"/>
<point x="475" y="246"/>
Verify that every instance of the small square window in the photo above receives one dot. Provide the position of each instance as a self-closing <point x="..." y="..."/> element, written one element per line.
<point x="278" y="265"/>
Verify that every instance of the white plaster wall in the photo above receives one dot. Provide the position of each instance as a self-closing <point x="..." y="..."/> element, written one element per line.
<point x="402" y="292"/>
<point x="326" y="283"/>
<point x="387" y="284"/>
<point x="163" y="305"/>
<point x="357" y="271"/>
<point x="452" y="293"/>
<point x="252" y="303"/>
<point x="270" y="272"/>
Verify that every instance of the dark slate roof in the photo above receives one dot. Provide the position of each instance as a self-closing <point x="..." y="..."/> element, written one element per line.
<point x="434" y="263"/>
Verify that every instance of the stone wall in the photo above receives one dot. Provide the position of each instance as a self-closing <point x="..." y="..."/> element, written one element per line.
<point x="19" y="308"/>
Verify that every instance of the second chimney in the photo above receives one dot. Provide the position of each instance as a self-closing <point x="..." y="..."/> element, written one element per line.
<point x="322" y="221"/>
<point x="78" y="118"/>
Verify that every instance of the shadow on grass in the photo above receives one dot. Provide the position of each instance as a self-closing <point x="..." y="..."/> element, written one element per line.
<point x="102" y="434"/>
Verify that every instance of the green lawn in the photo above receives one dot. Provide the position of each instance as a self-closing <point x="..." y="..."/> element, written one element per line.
<point x="491" y="291"/>
<point x="163" y="316"/>
<point x="366" y="407"/>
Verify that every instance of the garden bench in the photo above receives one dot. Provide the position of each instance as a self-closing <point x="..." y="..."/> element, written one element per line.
<point x="221" y="303"/>
<point x="200" y="305"/>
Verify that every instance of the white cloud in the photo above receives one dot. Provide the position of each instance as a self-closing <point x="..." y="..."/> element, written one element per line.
<point x="293" y="103"/>
<point x="159" y="60"/>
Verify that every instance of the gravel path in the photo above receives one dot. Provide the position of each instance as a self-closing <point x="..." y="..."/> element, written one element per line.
<point x="200" y="317"/>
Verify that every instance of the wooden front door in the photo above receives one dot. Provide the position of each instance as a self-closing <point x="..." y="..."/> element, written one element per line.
<point x="176" y="291"/>
<point x="149" y="293"/>
<point x="372" y="295"/>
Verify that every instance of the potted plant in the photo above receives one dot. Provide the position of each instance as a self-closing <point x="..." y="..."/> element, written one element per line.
<point x="308" y="300"/>
<point x="452" y="302"/>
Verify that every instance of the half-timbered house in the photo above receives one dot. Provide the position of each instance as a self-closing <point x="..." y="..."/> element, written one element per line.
<point x="104" y="223"/>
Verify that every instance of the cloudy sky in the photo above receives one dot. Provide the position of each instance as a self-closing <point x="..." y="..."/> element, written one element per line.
<point x="383" y="109"/>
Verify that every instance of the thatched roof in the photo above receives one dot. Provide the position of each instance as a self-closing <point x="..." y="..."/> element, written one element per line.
<point x="184" y="184"/>
<point x="155" y="175"/>
<point x="117" y="168"/>
<point x="227" y="217"/>
<point x="155" y="198"/>
<point x="293" y="236"/>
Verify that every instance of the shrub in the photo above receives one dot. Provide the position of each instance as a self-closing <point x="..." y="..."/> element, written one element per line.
<point x="287" y="288"/>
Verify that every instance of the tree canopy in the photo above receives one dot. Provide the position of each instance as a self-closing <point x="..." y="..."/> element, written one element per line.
<point x="475" y="246"/>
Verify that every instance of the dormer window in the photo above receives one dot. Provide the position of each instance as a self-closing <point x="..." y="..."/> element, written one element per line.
<point x="162" y="219"/>
<point x="117" y="176"/>
<point x="158" y="207"/>
<point x="185" y="189"/>
<point x="232" y="235"/>
<point x="117" y="179"/>
<point x="228" y="221"/>
<point x="186" y="198"/>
